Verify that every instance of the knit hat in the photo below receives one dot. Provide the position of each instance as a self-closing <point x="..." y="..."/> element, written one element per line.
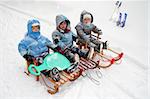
<point x="87" y="16"/>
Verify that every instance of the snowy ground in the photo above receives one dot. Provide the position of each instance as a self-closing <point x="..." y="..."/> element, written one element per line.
<point x="129" y="80"/>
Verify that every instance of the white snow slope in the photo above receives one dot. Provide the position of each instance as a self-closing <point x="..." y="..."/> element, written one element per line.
<point x="129" y="80"/>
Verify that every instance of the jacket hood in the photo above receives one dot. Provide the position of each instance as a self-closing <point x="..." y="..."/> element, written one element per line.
<point x="60" y="19"/>
<point x="29" y="28"/>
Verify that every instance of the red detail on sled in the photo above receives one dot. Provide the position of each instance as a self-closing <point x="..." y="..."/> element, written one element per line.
<point x="120" y="55"/>
<point x="112" y="61"/>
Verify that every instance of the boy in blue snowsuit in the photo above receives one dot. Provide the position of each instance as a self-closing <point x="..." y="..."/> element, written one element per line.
<point x="35" y="46"/>
<point x="84" y="29"/>
<point x="64" y="37"/>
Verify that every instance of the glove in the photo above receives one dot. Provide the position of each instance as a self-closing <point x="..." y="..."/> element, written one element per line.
<point x="28" y="57"/>
<point x="100" y="32"/>
<point x="74" y="38"/>
<point x="56" y="41"/>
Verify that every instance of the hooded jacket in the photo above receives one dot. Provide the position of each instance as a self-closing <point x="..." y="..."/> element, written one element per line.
<point x="34" y="43"/>
<point x="65" y="38"/>
<point x="84" y="31"/>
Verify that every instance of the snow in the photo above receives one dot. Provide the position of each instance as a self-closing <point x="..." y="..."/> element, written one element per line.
<point x="129" y="80"/>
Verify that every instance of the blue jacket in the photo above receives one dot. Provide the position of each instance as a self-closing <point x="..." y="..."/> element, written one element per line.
<point x="34" y="43"/>
<point x="65" y="38"/>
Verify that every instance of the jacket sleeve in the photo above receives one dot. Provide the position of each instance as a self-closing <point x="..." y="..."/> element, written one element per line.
<point x="80" y="31"/>
<point x="22" y="48"/>
<point x="74" y="37"/>
<point x="96" y="30"/>
<point x="50" y="44"/>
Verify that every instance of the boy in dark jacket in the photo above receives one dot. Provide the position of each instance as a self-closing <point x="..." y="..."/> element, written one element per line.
<point x="84" y="29"/>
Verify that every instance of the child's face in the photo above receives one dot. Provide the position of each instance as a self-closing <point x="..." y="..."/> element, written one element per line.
<point x="86" y="21"/>
<point x="63" y="25"/>
<point x="36" y="28"/>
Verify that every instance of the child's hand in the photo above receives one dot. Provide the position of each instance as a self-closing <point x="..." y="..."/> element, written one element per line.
<point x="28" y="57"/>
<point x="56" y="41"/>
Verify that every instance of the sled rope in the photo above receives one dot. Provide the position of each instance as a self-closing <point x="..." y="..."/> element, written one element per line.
<point x="95" y="81"/>
<point x="99" y="74"/>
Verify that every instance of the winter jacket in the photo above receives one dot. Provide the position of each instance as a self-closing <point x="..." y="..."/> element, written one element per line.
<point x="64" y="39"/>
<point x="84" y="31"/>
<point x="34" y="43"/>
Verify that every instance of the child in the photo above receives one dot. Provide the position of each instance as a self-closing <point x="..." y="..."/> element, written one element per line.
<point x="34" y="46"/>
<point x="64" y="37"/>
<point x="84" y="29"/>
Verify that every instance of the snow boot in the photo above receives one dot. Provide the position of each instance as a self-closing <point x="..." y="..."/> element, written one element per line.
<point x="54" y="74"/>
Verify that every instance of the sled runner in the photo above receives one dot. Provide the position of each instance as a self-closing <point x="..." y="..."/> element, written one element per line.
<point x="69" y="77"/>
<point x="52" y="61"/>
<point x="64" y="78"/>
<point x="57" y="60"/>
<point x="105" y="58"/>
